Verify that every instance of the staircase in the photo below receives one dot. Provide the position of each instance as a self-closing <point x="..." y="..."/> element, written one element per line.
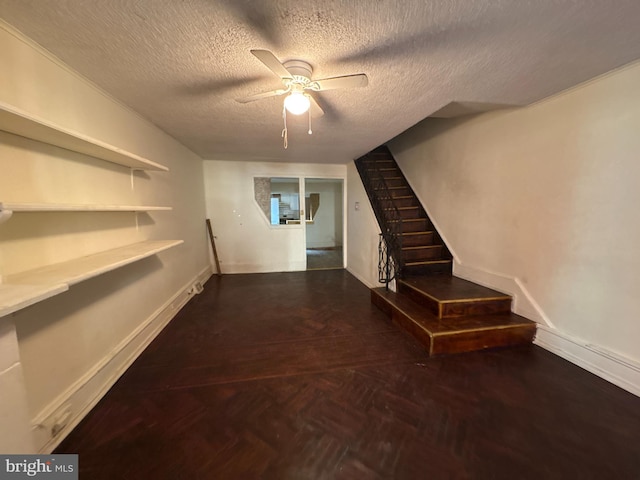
<point x="445" y="313"/>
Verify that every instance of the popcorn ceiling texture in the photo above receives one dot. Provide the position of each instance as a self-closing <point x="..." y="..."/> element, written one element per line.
<point x="182" y="64"/>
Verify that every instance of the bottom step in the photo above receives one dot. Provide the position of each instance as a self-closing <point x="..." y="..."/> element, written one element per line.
<point x="454" y="335"/>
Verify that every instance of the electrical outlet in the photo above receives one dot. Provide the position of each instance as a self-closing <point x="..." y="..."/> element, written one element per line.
<point x="60" y="421"/>
<point x="195" y="289"/>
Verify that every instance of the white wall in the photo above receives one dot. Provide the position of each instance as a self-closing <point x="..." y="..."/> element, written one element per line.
<point x="73" y="346"/>
<point x="362" y="231"/>
<point x="543" y="201"/>
<point x="245" y="241"/>
<point x="327" y="226"/>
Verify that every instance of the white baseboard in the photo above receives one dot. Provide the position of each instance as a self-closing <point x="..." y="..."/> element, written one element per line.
<point x="234" y="268"/>
<point x="621" y="371"/>
<point x="69" y="408"/>
<point x="523" y="302"/>
<point x="322" y="245"/>
<point x="361" y="278"/>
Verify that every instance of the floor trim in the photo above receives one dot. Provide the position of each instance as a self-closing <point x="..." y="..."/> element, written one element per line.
<point x="523" y="303"/>
<point x="69" y="408"/>
<point x="621" y="371"/>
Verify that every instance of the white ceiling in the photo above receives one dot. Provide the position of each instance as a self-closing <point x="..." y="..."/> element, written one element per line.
<point x="181" y="64"/>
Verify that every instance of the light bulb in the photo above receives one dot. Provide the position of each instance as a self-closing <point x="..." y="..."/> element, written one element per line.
<point x="297" y="103"/>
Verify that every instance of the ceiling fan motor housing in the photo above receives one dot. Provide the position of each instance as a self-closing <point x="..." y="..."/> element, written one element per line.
<point x="300" y="70"/>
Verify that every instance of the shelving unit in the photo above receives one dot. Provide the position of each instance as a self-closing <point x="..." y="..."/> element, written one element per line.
<point x="7" y="209"/>
<point x="18" y="122"/>
<point x="23" y="289"/>
<point x="27" y="288"/>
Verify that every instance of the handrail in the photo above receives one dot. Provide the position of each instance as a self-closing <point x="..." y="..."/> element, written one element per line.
<point x="388" y="216"/>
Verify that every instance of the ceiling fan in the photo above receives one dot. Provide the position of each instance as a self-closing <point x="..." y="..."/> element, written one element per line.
<point x="298" y="84"/>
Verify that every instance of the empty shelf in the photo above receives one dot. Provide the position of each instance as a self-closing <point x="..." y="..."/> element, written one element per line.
<point x="66" y="207"/>
<point x="17" y="297"/>
<point x="18" y="122"/>
<point x="22" y="289"/>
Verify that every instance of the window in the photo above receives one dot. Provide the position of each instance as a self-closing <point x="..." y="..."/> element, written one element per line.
<point x="279" y="199"/>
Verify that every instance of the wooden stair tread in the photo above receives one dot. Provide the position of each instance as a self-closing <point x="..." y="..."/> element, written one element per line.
<point x="454" y="335"/>
<point x="445" y="288"/>
<point x="422" y="232"/>
<point x="441" y="326"/>
<point x="428" y="262"/>
<point x="409" y="219"/>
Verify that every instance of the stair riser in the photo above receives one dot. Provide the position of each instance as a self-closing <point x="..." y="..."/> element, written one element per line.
<point x="415" y="226"/>
<point x="396" y="192"/>
<point x="417" y="240"/>
<point x="481" y="340"/>
<point x="409" y="213"/>
<point x="422" y="254"/>
<point x="385" y="170"/>
<point x="457" y="342"/>
<point x="402" y="320"/>
<point x="378" y="157"/>
<point x="395" y="182"/>
<point x="372" y="168"/>
<point x="399" y="202"/>
<point x="435" y="269"/>
<point x="458" y="308"/>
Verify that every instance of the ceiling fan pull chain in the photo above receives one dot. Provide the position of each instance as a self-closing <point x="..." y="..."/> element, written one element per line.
<point x="284" y="130"/>
<point x="309" y="132"/>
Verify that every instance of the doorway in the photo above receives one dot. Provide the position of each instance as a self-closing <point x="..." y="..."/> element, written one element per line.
<point x="324" y="223"/>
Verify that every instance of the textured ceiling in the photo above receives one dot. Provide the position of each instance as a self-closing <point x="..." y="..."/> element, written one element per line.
<point x="181" y="64"/>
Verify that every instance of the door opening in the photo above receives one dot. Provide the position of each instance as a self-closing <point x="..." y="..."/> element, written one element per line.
<point x="323" y="211"/>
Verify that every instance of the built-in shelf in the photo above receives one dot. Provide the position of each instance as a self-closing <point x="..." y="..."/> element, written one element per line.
<point x="67" y="207"/>
<point x="22" y="289"/>
<point x="18" y="122"/>
<point x="17" y="297"/>
<point x="26" y="288"/>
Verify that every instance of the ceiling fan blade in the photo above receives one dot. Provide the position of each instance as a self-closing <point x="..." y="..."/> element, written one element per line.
<point x="316" y="111"/>
<point x="272" y="63"/>
<point x="259" y="96"/>
<point x="348" y="81"/>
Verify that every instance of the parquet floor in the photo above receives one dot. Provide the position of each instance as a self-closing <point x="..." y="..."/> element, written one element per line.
<point x="298" y="376"/>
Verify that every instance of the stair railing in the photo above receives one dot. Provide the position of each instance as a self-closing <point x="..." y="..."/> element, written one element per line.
<point x="387" y="268"/>
<point x="389" y="220"/>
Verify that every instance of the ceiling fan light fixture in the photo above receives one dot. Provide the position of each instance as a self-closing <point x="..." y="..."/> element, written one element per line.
<point x="297" y="103"/>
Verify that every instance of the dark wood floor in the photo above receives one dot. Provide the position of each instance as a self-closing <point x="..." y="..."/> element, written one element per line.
<point x="298" y="376"/>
